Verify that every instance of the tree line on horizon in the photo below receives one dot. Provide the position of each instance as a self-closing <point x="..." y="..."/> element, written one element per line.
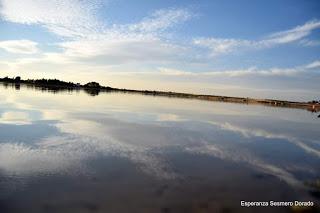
<point x="50" y="82"/>
<point x="94" y="88"/>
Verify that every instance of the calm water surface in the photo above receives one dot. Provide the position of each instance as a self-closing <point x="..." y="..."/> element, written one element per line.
<point x="115" y="152"/>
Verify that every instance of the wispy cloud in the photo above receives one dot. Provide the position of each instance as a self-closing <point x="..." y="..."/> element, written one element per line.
<point x="226" y="152"/>
<point x="66" y="18"/>
<point x="76" y="18"/>
<point x="86" y="38"/>
<point x="292" y="35"/>
<point x="310" y="43"/>
<point x="247" y="132"/>
<point x="62" y="154"/>
<point x="141" y="41"/>
<point x="19" y="46"/>
<point x="219" y="46"/>
<point x="251" y="71"/>
<point x="313" y="65"/>
<point x="161" y="20"/>
<point x="121" y="50"/>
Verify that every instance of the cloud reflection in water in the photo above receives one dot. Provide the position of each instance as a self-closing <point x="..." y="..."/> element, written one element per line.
<point x="142" y="134"/>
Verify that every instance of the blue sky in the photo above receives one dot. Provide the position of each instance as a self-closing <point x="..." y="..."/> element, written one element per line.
<point x="243" y="48"/>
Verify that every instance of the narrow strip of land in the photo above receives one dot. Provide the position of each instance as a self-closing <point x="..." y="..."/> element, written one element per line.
<point x="94" y="88"/>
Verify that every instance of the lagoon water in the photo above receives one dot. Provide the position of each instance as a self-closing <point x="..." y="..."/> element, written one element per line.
<point x="118" y="152"/>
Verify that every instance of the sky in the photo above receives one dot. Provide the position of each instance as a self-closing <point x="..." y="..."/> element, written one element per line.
<point x="265" y="49"/>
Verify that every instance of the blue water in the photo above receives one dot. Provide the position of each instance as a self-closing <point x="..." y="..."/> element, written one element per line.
<point x="116" y="152"/>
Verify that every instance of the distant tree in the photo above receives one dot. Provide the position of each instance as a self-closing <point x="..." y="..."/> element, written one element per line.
<point x="17" y="79"/>
<point x="92" y="85"/>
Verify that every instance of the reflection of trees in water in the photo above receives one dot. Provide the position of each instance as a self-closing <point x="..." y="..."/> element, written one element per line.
<point x="52" y="89"/>
<point x="17" y="86"/>
<point x="92" y="91"/>
<point x="5" y="85"/>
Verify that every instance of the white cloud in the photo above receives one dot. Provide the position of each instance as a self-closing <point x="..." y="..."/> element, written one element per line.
<point x="310" y="43"/>
<point x="161" y="20"/>
<point x="236" y="73"/>
<point x="219" y="46"/>
<point x="142" y="41"/>
<point x="313" y="65"/>
<point x="19" y="46"/>
<point x="291" y="35"/>
<point x="67" y="18"/>
<point x="251" y="71"/>
<point x="86" y="40"/>
<point x="113" y="51"/>
<point x="77" y="18"/>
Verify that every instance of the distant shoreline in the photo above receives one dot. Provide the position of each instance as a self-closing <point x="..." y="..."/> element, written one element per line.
<point x="94" y="88"/>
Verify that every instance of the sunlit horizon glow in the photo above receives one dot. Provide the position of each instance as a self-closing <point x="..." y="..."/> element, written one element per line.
<point x="224" y="48"/>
